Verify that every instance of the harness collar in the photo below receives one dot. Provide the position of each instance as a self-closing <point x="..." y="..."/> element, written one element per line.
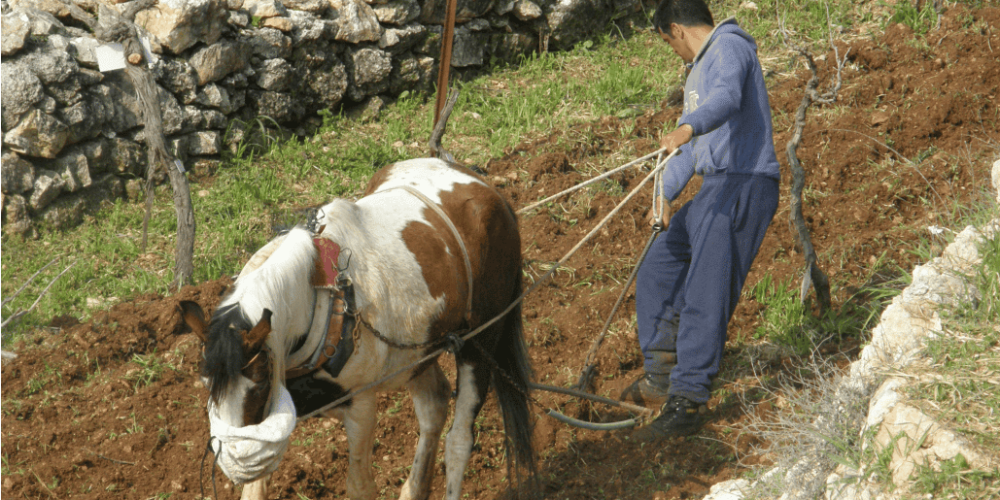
<point x="333" y="322"/>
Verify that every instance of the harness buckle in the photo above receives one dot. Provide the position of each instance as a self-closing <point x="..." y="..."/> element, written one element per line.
<point x="454" y="343"/>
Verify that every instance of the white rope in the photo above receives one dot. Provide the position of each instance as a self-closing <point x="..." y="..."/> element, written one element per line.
<point x="247" y="453"/>
<point x="657" y="207"/>
<point x="509" y="308"/>
<point x="595" y="179"/>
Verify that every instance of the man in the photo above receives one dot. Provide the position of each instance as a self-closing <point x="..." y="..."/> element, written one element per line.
<point x="690" y="282"/>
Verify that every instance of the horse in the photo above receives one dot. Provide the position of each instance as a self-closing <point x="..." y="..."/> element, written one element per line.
<point x="429" y="250"/>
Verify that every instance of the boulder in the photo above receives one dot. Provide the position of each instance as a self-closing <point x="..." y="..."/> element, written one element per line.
<point x="17" y="217"/>
<point x="281" y="107"/>
<point x="307" y="28"/>
<point x="368" y="110"/>
<point x="509" y="46"/>
<point x="275" y="74"/>
<point x="74" y="170"/>
<point x="469" y="48"/>
<point x="327" y="85"/>
<point x="194" y="118"/>
<point x="263" y="9"/>
<point x="465" y="10"/>
<point x="58" y="8"/>
<point x="356" y="21"/>
<point x="179" y="24"/>
<point x="17" y="174"/>
<point x="65" y="212"/>
<point x="42" y="23"/>
<point x="48" y="186"/>
<point x="127" y="157"/>
<point x="214" y="119"/>
<point x="397" y="12"/>
<point x="215" y="96"/>
<point x="526" y="10"/>
<point x="37" y="134"/>
<point x="307" y="5"/>
<point x="97" y="152"/>
<point x="369" y="69"/>
<point x="207" y="142"/>
<point x="67" y="92"/>
<point x="50" y="63"/>
<point x="238" y="19"/>
<point x="21" y="90"/>
<point x="572" y="21"/>
<point x="269" y="43"/>
<point x="412" y="73"/>
<point x="16" y="28"/>
<point x="86" y="117"/>
<point x="179" y="78"/>
<point x="83" y="49"/>
<point x="279" y="23"/>
<point x="397" y="40"/>
<point x="214" y="62"/>
<point x="504" y="7"/>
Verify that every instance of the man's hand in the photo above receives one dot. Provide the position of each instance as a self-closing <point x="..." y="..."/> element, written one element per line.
<point x="677" y="138"/>
<point x="664" y="213"/>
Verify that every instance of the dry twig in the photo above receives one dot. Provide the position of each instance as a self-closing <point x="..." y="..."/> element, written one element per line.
<point x="17" y="315"/>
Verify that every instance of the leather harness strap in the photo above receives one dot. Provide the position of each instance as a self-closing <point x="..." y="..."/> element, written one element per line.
<point x="335" y="302"/>
<point x="332" y="304"/>
<point x="458" y="237"/>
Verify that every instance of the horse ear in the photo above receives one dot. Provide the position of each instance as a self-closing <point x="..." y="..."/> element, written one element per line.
<point x="258" y="334"/>
<point x="194" y="318"/>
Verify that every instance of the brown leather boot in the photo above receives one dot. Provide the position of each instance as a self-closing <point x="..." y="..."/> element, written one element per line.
<point x="645" y="391"/>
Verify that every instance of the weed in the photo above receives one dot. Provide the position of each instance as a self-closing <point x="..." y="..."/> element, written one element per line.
<point x="150" y="369"/>
<point x="920" y="21"/>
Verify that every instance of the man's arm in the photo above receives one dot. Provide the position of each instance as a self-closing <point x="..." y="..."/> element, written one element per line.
<point x="730" y="62"/>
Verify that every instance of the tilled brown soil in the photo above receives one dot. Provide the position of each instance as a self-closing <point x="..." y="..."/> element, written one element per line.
<point x="83" y="418"/>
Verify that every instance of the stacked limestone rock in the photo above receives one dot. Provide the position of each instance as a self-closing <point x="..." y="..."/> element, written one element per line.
<point x="879" y="379"/>
<point x="72" y="135"/>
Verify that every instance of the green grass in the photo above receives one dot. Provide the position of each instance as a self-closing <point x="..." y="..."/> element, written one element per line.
<point x="789" y="322"/>
<point x="963" y="358"/>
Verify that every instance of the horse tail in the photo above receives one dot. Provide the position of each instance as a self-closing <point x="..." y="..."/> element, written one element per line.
<point x="511" y="386"/>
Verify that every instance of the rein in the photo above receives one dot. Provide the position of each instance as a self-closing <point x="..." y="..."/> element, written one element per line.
<point x="547" y="276"/>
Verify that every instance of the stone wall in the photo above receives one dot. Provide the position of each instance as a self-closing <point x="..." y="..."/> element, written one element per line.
<point x="72" y="135"/>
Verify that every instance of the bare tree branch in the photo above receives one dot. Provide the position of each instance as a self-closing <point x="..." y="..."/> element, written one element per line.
<point x="442" y="123"/>
<point x="114" y="28"/>
<point x="26" y="283"/>
<point x="17" y="315"/>
<point x="813" y="277"/>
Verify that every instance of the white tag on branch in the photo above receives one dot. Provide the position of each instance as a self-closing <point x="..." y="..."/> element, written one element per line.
<point x="180" y="165"/>
<point x="111" y="56"/>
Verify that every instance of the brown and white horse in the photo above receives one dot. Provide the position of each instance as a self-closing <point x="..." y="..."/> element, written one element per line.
<point x="411" y="283"/>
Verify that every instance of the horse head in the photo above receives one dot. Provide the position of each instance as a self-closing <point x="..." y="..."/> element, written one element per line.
<point x="237" y="364"/>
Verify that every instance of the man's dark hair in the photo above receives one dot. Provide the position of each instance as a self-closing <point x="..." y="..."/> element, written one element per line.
<point x="683" y="12"/>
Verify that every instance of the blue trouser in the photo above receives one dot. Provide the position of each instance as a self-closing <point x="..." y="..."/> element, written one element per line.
<point x="690" y="282"/>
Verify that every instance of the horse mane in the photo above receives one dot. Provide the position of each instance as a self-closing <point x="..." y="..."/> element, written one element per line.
<point x="275" y="285"/>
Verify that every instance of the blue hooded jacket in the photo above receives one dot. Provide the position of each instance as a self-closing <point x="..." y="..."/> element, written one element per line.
<point x="725" y="102"/>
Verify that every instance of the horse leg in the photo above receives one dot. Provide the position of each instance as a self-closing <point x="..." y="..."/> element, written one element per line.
<point x="359" y="422"/>
<point x="473" y="383"/>
<point x="255" y="490"/>
<point x="430" y="392"/>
